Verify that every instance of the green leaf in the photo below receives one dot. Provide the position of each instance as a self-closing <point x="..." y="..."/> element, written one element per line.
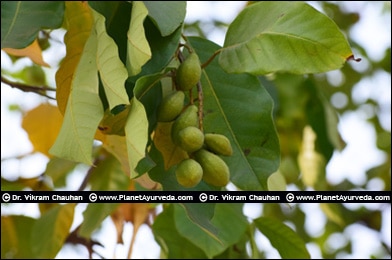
<point x="167" y="15"/>
<point x="107" y="176"/>
<point x="57" y="169"/>
<point x="286" y="36"/>
<point x="15" y="237"/>
<point x="167" y="236"/>
<point x="136" y="133"/>
<point x="239" y="107"/>
<point x="139" y="51"/>
<point x="21" y="21"/>
<point x="228" y="219"/>
<point x="283" y="238"/>
<point x="84" y="110"/>
<point x="113" y="73"/>
<point x="51" y="230"/>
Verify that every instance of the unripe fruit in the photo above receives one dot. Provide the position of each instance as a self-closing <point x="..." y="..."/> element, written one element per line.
<point x="215" y="170"/>
<point x="187" y="118"/>
<point x="189" y="72"/>
<point x="218" y="144"/>
<point x="189" y="173"/>
<point x="190" y="139"/>
<point x="171" y="106"/>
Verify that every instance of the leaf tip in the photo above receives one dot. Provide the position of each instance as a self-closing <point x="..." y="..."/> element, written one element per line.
<point x="351" y="57"/>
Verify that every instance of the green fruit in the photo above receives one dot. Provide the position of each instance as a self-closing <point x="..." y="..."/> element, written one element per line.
<point x="189" y="173"/>
<point x="218" y="144"/>
<point x="189" y="72"/>
<point x="171" y="106"/>
<point x="215" y="170"/>
<point x="190" y="139"/>
<point x="187" y="118"/>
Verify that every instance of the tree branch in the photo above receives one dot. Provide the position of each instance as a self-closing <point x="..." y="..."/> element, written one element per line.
<point x="40" y="90"/>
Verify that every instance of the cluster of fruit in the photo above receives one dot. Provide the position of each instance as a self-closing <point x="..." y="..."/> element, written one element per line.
<point x="204" y="149"/>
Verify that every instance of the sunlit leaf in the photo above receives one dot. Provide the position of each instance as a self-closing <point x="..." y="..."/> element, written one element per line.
<point x="139" y="51"/>
<point x="33" y="51"/>
<point x="79" y="21"/>
<point x="42" y="125"/>
<point x="282" y="238"/>
<point x="290" y="36"/>
<point x="84" y="110"/>
<point x="58" y="169"/>
<point x="136" y="133"/>
<point x="15" y="236"/>
<point x="22" y="20"/>
<point x="112" y="71"/>
<point x="167" y="15"/>
<point x="50" y="231"/>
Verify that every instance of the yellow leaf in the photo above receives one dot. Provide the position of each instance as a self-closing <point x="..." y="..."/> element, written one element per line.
<point x="42" y="125"/>
<point x="79" y="22"/>
<point x="117" y="146"/>
<point x="33" y="51"/>
<point x="171" y="153"/>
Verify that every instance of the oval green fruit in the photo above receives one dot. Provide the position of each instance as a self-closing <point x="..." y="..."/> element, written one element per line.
<point x="189" y="72"/>
<point x="189" y="173"/>
<point x="215" y="170"/>
<point x="190" y="139"/>
<point x="187" y="118"/>
<point x="171" y="106"/>
<point x="218" y="144"/>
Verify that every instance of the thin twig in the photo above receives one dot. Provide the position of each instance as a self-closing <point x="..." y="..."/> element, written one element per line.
<point x="27" y="88"/>
<point x="200" y="111"/>
<point x="205" y="64"/>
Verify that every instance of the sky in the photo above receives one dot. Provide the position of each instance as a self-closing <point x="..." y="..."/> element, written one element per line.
<point x="373" y="32"/>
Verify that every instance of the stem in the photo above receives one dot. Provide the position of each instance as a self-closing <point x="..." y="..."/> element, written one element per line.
<point x="200" y="111"/>
<point x="27" y="88"/>
<point x="205" y="64"/>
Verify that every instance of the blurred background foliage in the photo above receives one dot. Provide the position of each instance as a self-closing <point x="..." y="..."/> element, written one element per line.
<point x="307" y="108"/>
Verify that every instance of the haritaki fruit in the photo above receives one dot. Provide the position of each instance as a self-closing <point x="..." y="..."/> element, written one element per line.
<point x="218" y="144"/>
<point x="171" y="106"/>
<point x="189" y="173"/>
<point x="187" y="118"/>
<point x="215" y="170"/>
<point x="190" y="139"/>
<point x="189" y="72"/>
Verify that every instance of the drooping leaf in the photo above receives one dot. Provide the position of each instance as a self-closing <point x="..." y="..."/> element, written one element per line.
<point x="167" y="236"/>
<point x="84" y="110"/>
<point x="33" y="51"/>
<point x="238" y="106"/>
<point x="22" y="20"/>
<point x="139" y="51"/>
<point x="113" y="73"/>
<point x="42" y="125"/>
<point x="136" y="134"/>
<point x="286" y="36"/>
<point x="79" y="21"/>
<point x="282" y="238"/>
<point x="167" y="16"/>
<point x="228" y="219"/>
<point x="107" y="176"/>
<point x="49" y="232"/>
<point x="15" y="236"/>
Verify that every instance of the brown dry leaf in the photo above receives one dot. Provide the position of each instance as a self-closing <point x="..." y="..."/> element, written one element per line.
<point x="42" y="125"/>
<point x="33" y="51"/>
